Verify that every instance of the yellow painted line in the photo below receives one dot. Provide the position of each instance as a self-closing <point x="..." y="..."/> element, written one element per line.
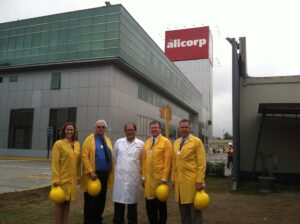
<point x="24" y="158"/>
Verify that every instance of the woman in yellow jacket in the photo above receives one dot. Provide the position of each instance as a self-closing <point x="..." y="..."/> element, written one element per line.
<point x="97" y="162"/>
<point x="188" y="172"/>
<point x="66" y="168"/>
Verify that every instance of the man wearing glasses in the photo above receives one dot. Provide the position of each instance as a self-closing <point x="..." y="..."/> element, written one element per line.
<point x="97" y="160"/>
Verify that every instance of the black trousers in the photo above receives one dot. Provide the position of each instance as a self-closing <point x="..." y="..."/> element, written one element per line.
<point x="120" y="211"/>
<point x="229" y="160"/>
<point x="94" y="206"/>
<point x="156" y="211"/>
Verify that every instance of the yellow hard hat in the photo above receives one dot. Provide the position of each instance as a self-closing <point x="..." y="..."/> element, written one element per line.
<point x="93" y="187"/>
<point x="57" y="194"/>
<point x="162" y="192"/>
<point x="201" y="200"/>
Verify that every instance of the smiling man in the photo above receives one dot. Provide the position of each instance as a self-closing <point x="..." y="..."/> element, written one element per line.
<point x="97" y="160"/>
<point x="156" y="170"/>
<point x="188" y="172"/>
<point x="128" y="159"/>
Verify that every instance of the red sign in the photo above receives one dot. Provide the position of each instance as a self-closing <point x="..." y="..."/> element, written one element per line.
<point x="188" y="44"/>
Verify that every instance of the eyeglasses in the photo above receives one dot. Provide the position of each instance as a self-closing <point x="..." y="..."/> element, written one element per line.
<point x="99" y="127"/>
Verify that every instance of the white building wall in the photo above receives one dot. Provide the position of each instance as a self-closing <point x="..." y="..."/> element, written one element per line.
<point x="279" y="136"/>
<point x="199" y="72"/>
<point x="98" y="92"/>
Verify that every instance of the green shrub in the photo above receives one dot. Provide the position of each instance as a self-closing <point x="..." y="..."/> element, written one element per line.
<point x="215" y="169"/>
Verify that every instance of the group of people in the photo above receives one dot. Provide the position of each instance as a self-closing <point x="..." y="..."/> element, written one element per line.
<point x="126" y="166"/>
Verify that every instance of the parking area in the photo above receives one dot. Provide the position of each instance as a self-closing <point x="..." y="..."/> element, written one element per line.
<point x="23" y="174"/>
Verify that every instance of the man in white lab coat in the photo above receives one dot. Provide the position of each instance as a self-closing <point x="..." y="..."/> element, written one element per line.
<point x="128" y="157"/>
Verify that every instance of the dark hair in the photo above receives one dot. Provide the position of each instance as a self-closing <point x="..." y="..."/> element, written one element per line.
<point x="155" y="122"/>
<point x="184" y="120"/>
<point x="134" y="126"/>
<point x="63" y="134"/>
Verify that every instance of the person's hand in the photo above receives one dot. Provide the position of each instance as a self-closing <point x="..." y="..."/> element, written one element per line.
<point x="163" y="182"/>
<point x="78" y="182"/>
<point x="55" y="184"/>
<point x="93" y="176"/>
<point x="199" y="186"/>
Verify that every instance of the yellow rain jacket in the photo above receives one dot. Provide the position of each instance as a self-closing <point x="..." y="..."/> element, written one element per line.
<point x="66" y="167"/>
<point x="156" y="164"/>
<point x="188" y="168"/>
<point x="88" y="161"/>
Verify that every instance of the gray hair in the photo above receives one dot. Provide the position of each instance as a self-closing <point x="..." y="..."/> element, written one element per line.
<point x="102" y="121"/>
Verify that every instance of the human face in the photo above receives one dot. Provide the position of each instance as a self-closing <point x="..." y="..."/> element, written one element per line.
<point x="155" y="130"/>
<point x="100" y="128"/>
<point x="69" y="131"/>
<point x="130" y="132"/>
<point x="184" y="129"/>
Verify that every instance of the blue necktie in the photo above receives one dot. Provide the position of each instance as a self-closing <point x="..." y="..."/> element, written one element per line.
<point x="105" y="148"/>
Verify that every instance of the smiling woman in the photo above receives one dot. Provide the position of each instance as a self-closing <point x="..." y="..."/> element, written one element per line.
<point x="66" y="169"/>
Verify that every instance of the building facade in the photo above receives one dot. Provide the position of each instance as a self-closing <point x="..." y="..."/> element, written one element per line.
<point x="191" y="50"/>
<point x="82" y="66"/>
<point x="269" y="126"/>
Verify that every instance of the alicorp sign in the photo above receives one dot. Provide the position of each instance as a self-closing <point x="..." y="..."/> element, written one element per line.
<point x="188" y="44"/>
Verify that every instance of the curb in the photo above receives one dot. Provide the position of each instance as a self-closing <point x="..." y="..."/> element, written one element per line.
<point x="24" y="158"/>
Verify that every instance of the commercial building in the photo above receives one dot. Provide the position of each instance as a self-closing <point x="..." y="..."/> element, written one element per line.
<point x="191" y="50"/>
<point x="82" y="66"/>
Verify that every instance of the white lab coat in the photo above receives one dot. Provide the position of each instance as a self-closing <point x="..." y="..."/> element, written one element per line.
<point x="128" y="159"/>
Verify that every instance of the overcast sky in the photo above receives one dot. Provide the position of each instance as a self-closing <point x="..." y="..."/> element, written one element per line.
<point x="271" y="28"/>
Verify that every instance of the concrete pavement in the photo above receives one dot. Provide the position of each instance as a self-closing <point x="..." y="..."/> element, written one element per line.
<point x="23" y="173"/>
<point x="19" y="173"/>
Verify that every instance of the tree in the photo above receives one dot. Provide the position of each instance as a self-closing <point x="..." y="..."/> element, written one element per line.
<point x="227" y="136"/>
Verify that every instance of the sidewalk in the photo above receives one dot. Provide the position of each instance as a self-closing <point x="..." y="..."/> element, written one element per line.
<point x="20" y="173"/>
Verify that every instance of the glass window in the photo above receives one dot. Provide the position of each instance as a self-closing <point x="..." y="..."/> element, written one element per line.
<point x="85" y="46"/>
<point x="55" y="80"/>
<point x="2" y="55"/>
<point x="27" y="41"/>
<point x="73" y="35"/>
<point x="98" y="36"/>
<point x="11" y="43"/>
<point x="3" y="44"/>
<point x="64" y="24"/>
<point x="99" y="19"/>
<point x="85" y="21"/>
<point x="85" y="30"/>
<point x="1" y="79"/>
<point x="60" y="116"/>
<point x="19" y="42"/>
<point x="98" y="28"/>
<point x="74" y="23"/>
<point x="19" y="53"/>
<point x="45" y="36"/>
<point x="85" y="37"/>
<point x="72" y="47"/>
<point x="113" y="17"/>
<point x="97" y="45"/>
<point x="54" y="37"/>
<point x="112" y="34"/>
<point x="63" y="36"/>
<point x="20" y="128"/>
